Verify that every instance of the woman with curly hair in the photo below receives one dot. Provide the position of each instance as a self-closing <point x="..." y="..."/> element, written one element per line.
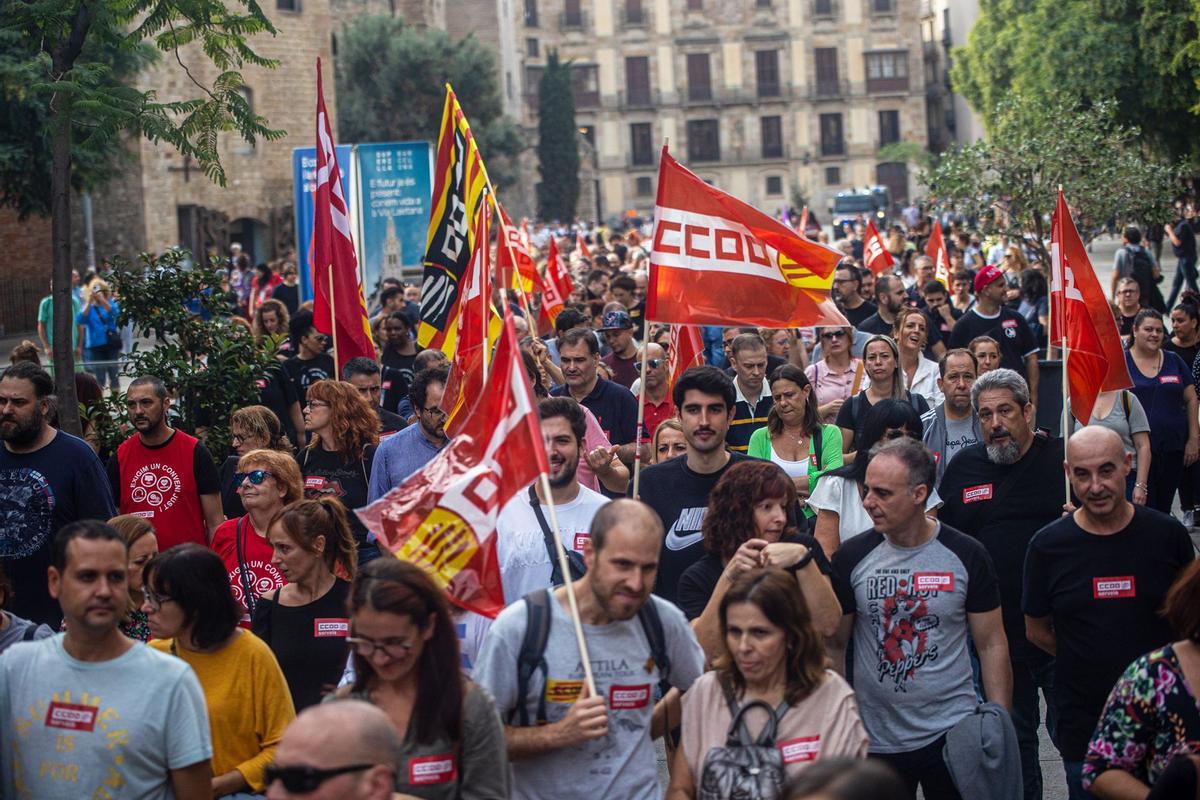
<point x="772" y="655"/>
<point x="344" y="431"/>
<point x="271" y="322"/>
<point x="748" y="527"/>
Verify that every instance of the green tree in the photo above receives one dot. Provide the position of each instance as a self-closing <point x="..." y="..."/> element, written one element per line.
<point x="558" y="148"/>
<point x="1010" y="181"/>
<point x="1135" y="52"/>
<point x="65" y="42"/>
<point x="391" y="86"/>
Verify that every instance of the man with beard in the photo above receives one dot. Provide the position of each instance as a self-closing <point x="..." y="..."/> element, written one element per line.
<point x="528" y="558"/>
<point x="1001" y="491"/>
<point x="48" y="478"/>
<point x="562" y="740"/>
<point x="952" y="426"/>
<point x="677" y="490"/>
<point x="612" y="404"/>
<point x="1094" y="583"/>
<point x="164" y="475"/>
<point x="406" y="452"/>
<point x="891" y="296"/>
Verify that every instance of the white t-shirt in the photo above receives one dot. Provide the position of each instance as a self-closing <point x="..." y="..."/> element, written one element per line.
<point x="840" y="495"/>
<point x="521" y="547"/>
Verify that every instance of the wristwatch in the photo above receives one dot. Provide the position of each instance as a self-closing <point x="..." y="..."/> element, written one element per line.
<point x="804" y="560"/>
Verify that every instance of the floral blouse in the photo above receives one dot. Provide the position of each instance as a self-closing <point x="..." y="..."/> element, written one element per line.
<point x="1151" y="716"/>
<point x="136" y="625"/>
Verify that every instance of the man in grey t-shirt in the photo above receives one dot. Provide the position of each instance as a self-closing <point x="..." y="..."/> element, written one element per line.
<point x="911" y="590"/>
<point x="953" y="425"/>
<point x="595" y="746"/>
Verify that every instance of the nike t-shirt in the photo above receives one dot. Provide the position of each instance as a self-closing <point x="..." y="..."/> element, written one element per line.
<point x="680" y="497"/>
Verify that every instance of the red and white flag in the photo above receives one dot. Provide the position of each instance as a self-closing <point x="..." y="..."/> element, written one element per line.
<point x="876" y="256"/>
<point x="443" y="518"/>
<point x="581" y="245"/>
<point x="333" y="259"/>
<point x="512" y="254"/>
<point x="718" y="261"/>
<point x="556" y="287"/>
<point x="686" y="350"/>
<point x="465" y="381"/>
<point x="935" y="248"/>
<point x="1082" y="322"/>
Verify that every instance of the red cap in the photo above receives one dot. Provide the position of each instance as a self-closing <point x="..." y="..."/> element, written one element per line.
<point x="987" y="275"/>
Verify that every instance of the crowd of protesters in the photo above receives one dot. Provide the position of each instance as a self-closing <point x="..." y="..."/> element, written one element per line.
<point x="854" y="565"/>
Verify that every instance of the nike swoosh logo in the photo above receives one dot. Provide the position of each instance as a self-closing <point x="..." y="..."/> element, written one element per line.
<point x="674" y="541"/>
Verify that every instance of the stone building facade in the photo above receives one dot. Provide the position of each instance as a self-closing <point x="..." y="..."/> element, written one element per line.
<point x="944" y="26"/>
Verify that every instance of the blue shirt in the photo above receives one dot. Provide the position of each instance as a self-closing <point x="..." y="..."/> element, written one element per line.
<point x="96" y="322"/>
<point x="398" y="457"/>
<point x="1162" y="398"/>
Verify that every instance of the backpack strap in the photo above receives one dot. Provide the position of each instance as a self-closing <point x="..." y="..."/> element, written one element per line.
<point x="574" y="560"/>
<point x="1126" y="404"/>
<point x="653" y="628"/>
<point x="532" y="656"/>
<point x="30" y="631"/>
<point x="243" y="572"/>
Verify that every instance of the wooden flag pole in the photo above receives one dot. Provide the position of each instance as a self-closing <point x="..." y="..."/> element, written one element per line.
<point x="641" y="417"/>
<point x="333" y="322"/>
<point x="1066" y="350"/>
<point x="569" y="585"/>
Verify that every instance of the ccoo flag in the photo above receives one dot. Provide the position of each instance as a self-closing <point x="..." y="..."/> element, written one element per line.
<point x="876" y="256"/>
<point x="338" y="294"/>
<point x="935" y="248"/>
<point x="443" y="518"/>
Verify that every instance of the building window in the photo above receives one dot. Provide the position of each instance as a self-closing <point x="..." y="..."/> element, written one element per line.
<point x="889" y="127"/>
<point x="533" y="83"/>
<point x="643" y="187"/>
<point x="531" y="48"/>
<point x="637" y="80"/>
<point x="887" y="72"/>
<point x="699" y="77"/>
<point x="772" y="137"/>
<point x="774" y="186"/>
<point x="827" y="71"/>
<point x="641" y="145"/>
<point x="766" y="66"/>
<point x="572" y="16"/>
<point x="704" y="140"/>
<point x="832" y="140"/>
<point x="823" y="9"/>
<point x="585" y="80"/>
<point x="531" y="15"/>
<point x="287" y="5"/>
<point x="762" y="3"/>
<point x="833" y="176"/>
<point x="634" y="13"/>
<point x="883" y="6"/>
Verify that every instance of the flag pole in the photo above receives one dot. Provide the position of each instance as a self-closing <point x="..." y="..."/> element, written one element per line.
<point x="641" y="415"/>
<point x="569" y="585"/>
<point x="1066" y="417"/>
<point x="333" y="322"/>
<point x="1065" y="348"/>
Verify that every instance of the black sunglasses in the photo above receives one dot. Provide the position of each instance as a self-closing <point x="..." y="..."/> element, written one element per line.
<point x="654" y="363"/>
<point x="304" y="780"/>
<point x="256" y="476"/>
<point x="833" y="334"/>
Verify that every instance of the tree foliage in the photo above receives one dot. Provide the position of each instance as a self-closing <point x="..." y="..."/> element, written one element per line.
<point x="391" y="81"/>
<point x="1009" y="182"/>
<point x="1143" y="54"/>
<point x="558" y="147"/>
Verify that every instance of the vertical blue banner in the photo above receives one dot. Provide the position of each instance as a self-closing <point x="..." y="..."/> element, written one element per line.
<point x="304" y="187"/>
<point x="395" y="190"/>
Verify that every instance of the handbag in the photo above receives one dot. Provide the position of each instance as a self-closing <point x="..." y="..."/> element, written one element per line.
<point x="112" y="336"/>
<point x="744" y="768"/>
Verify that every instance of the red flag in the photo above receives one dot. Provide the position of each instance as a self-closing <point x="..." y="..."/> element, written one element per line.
<point x="465" y="382"/>
<point x="802" y="228"/>
<point x="935" y="248"/>
<point x="582" y="245"/>
<point x="333" y="254"/>
<point x="718" y="261"/>
<point x="686" y="350"/>
<point x="557" y="287"/>
<point x="1082" y="322"/>
<point x="443" y="518"/>
<point x="878" y="259"/>
<point x="511" y="253"/>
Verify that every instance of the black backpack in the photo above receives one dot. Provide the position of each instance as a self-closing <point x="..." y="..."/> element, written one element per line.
<point x="532" y="657"/>
<point x="1142" y="271"/>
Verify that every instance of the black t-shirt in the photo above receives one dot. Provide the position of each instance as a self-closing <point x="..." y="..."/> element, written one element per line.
<point x="613" y="406"/>
<point x="389" y="422"/>
<point x="231" y="501"/>
<point x="1008" y="328"/>
<point x="680" y="498"/>
<point x="1005" y="517"/>
<point x="853" y="413"/>
<point x="1103" y="594"/>
<point x="874" y="325"/>
<point x="289" y="296"/>
<point x="1125" y="325"/>
<point x="305" y="372"/>
<point x="855" y="316"/>
<point x="1187" y="240"/>
<point x="308" y="641"/>
<point x="698" y="581"/>
<point x="1188" y="354"/>
<point x="204" y="469"/>
<point x="935" y="321"/>
<point x="326" y="474"/>
<point x="277" y="392"/>
<point x="396" y="374"/>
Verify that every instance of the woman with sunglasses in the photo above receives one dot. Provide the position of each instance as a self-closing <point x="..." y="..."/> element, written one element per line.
<point x="886" y="382"/>
<point x="910" y="332"/>
<point x="267" y="481"/>
<point x="250" y="428"/>
<point x="406" y="661"/>
<point x="337" y="462"/>
<point x="304" y="621"/>
<point x="837" y="499"/>
<point x="837" y="375"/>
<point x="193" y="616"/>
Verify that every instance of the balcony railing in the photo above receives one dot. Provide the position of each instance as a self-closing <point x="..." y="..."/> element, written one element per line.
<point x="643" y="98"/>
<point x="827" y="90"/>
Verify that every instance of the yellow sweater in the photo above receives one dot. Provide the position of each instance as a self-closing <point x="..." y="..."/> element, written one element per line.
<point x="249" y="704"/>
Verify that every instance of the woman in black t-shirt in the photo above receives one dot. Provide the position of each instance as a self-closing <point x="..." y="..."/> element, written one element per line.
<point x="305" y="622"/>
<point x="344" y="431"/>
<point x="882" y="360"/>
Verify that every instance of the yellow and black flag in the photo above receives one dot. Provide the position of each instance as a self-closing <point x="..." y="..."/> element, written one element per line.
<point x="459" y="193"/>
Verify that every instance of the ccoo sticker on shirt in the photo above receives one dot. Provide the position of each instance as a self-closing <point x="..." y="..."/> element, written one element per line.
<point x="933" y="582"/>
<point x="1120" y="586"/>
<point x="628" y="697"/>
<point x="70" y="717"/>
<point x="326" y="627"/>
<point x="974" y="494"/>
<point x="563" y="691"/>
<point x="580" y="538"/>
<point x="1168" y="379"/>
<point x="430" y="770"/>
<point x="800" y="749"/>
<point x="314" y="482"/>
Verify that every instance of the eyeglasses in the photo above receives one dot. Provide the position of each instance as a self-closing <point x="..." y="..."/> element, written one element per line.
<point x="367" y="647"/>
<point x="155" y="601"/>
<point x="316" y="404"/>
<point x="369" y="390"/>
<point x="255" y="476"/>
<point x="305" y="780"/>
<point x="236" y="438"/>
<point x="655" y="363"/>
<point x="833" y="334"/>
<point x="1128" y="291"/>
<point x="434" y="410"/>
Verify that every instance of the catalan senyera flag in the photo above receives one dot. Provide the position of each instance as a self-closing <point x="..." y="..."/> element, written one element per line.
<point x="718" y="261"/>
<point x="935" y="248"/>
<point x="339" y="308"/>
<point x="876" y="256"/>
<point x="459" y="181"/>
<point x="443" y="518"/>
<point x="1081" y="321"/>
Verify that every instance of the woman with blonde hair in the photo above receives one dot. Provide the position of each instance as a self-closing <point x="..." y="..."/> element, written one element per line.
<point x="337" y="462"/>
<point x="271" y="322"/>
<point x="250" y="428"/>
<point x="267" y="480"/>
<point x="911" y="333"/>
<point x="142" y="543"/>
<point x="668" y="441"/>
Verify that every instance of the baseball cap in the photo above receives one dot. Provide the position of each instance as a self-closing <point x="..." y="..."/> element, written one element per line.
<point x="616" y="320"/>
<point x="986" y="276"/>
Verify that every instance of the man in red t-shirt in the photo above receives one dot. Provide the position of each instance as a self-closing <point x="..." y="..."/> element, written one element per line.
<point x="657" y="388"/>
<point x="165" y="475"/>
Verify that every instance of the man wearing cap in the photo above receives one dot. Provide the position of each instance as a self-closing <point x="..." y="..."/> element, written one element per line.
<point x="990" y="317"/>
<point x="618" y="328"/>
